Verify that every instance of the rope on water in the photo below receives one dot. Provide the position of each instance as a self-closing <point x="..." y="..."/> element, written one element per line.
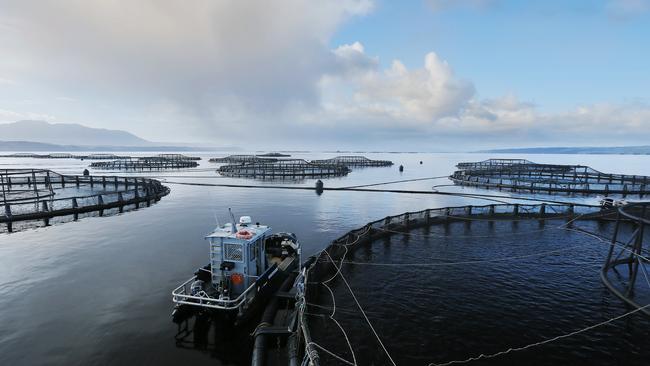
<point x="404" y="191"/>
<point x="331" y="353"/>
<point x="396" y="181"/>
<point x="359" y="305"/>
<point x="541" y="343"/>
<point x="588" y="233"/>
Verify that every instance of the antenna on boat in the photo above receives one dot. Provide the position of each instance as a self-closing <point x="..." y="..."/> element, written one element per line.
<point x="216" y="219"/>
<point x="234" y="223"/>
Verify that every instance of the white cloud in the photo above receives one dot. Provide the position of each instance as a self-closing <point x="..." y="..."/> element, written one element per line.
<point x="265" y="55"/>
<point x="361" y="90"/>
<point x="13" y="116"/>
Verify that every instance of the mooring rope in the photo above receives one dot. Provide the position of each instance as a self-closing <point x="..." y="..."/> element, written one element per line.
<point x="585" y="232"/>
<point x="331" y="353"/>
<point x="645" y="273"/>
<point x="359" y="305"/>
<point x="325" y="283"/>
<point x="536" y="344"/>
<point x="361" y="189"/>
<point x="395" y="181"/>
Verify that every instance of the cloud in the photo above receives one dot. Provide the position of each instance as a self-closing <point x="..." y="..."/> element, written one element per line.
<point x="224" y="71"/>
<point x="264" y="56"/>
<point x="361" y="90"/>
<point x="13" y="116"/>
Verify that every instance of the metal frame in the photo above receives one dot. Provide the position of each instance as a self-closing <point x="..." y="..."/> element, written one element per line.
<point x="629" y="253"/>
<point x="524" y="175"/>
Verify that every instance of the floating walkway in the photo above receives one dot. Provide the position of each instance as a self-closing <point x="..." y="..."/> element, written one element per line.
<point x="94" y="156"/>
<point x="274" y="155"/>
<point x="148" y="163"/>
<point x="66" y="156"/>
<point x="354" y="161"/>
<point x="283" y="169"/>
<point x="241" y="159"/>
<point x="30" y="195"/>
<point x="526" y="176"/>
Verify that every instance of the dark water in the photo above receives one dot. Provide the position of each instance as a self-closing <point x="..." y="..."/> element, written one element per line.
<point x="97" y="291"/>
<point x="441" y="313"/>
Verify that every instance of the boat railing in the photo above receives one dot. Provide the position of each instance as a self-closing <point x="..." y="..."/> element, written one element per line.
<point x="182" y="295"/>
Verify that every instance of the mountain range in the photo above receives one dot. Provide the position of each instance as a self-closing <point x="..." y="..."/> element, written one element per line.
<point x="67" y="134"/>
<point x="31" y="135"/>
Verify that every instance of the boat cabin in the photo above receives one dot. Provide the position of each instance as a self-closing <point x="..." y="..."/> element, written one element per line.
<point x="246" y="259"/>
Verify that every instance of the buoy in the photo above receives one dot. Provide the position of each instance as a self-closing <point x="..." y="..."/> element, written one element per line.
<point x="319" y="187"/>
<point x="420" y="162"/>
<point x="244" y="234"/>
<point x="401" y="168"/>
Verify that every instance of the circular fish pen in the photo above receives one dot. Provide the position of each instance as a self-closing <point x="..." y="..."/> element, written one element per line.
<point x="354" y="161"/>
<point x="283" y="169"/>
<point x="241" y="159"/>
<point x="33" y="197"/>
<point x="442" y="287"/>
<point x="146" y="163"/>
<point x="526" y="176"/>
<point x="66" y="156"/>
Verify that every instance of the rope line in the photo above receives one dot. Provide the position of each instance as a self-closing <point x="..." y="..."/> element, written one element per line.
<point x="362" y="189"/>
<point x="361" y="308"/>
<point x="541" y="343"/>
<point x="331" y="353"/>
<point x="395" y="181"/>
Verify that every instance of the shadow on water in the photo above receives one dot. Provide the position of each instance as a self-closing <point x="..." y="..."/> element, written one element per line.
<point x="214" y="335"/>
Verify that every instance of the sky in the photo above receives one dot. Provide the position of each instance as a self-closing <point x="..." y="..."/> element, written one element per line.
<point x="426" y="75"/>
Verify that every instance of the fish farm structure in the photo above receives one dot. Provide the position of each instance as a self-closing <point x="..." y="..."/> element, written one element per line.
<point x="274" y="155"/>
<point x="163" y="162"/>
<point x="283" y="169"/>
<point x="31" y="196"/>
<point x="354" y="161"/>
<point x="240" y="159"/>
<point x="323" y="336"/>
<point x="66" y="156"/>
<point x="526" y="176"/>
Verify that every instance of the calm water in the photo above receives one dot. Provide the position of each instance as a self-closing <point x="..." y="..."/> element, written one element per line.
<point x="97" y="291"/>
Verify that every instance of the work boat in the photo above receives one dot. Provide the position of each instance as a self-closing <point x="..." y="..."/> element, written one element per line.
<point x="248" y="265"/>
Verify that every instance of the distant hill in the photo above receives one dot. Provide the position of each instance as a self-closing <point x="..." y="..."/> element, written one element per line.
<point x="67" y="134"/>
<point x="635" y="150"/>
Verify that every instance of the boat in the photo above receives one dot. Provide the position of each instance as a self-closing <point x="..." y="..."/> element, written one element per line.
<point x="248" y="265"/>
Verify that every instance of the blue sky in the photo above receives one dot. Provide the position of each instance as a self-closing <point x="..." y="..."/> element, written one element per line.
<point x="557" y="54"/>
<point x="337" y="74"/>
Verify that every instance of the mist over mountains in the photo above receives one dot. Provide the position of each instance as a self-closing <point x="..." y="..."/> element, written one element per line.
<point x="31" y="135"/>
<point x="68" y="134"/>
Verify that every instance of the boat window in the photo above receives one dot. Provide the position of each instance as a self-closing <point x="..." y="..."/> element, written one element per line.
<point x="233" y="252"/>
<point x="253" y="249"/>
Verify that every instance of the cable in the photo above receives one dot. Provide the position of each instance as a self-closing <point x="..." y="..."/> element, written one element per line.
<point x="361" y="308"/>
<point x="396" y="181"/>
<point x="331" y="353"/>
<point x="509" y="350"/>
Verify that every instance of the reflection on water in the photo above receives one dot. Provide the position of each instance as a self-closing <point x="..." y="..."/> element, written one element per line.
<point x="98" y="291"/>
